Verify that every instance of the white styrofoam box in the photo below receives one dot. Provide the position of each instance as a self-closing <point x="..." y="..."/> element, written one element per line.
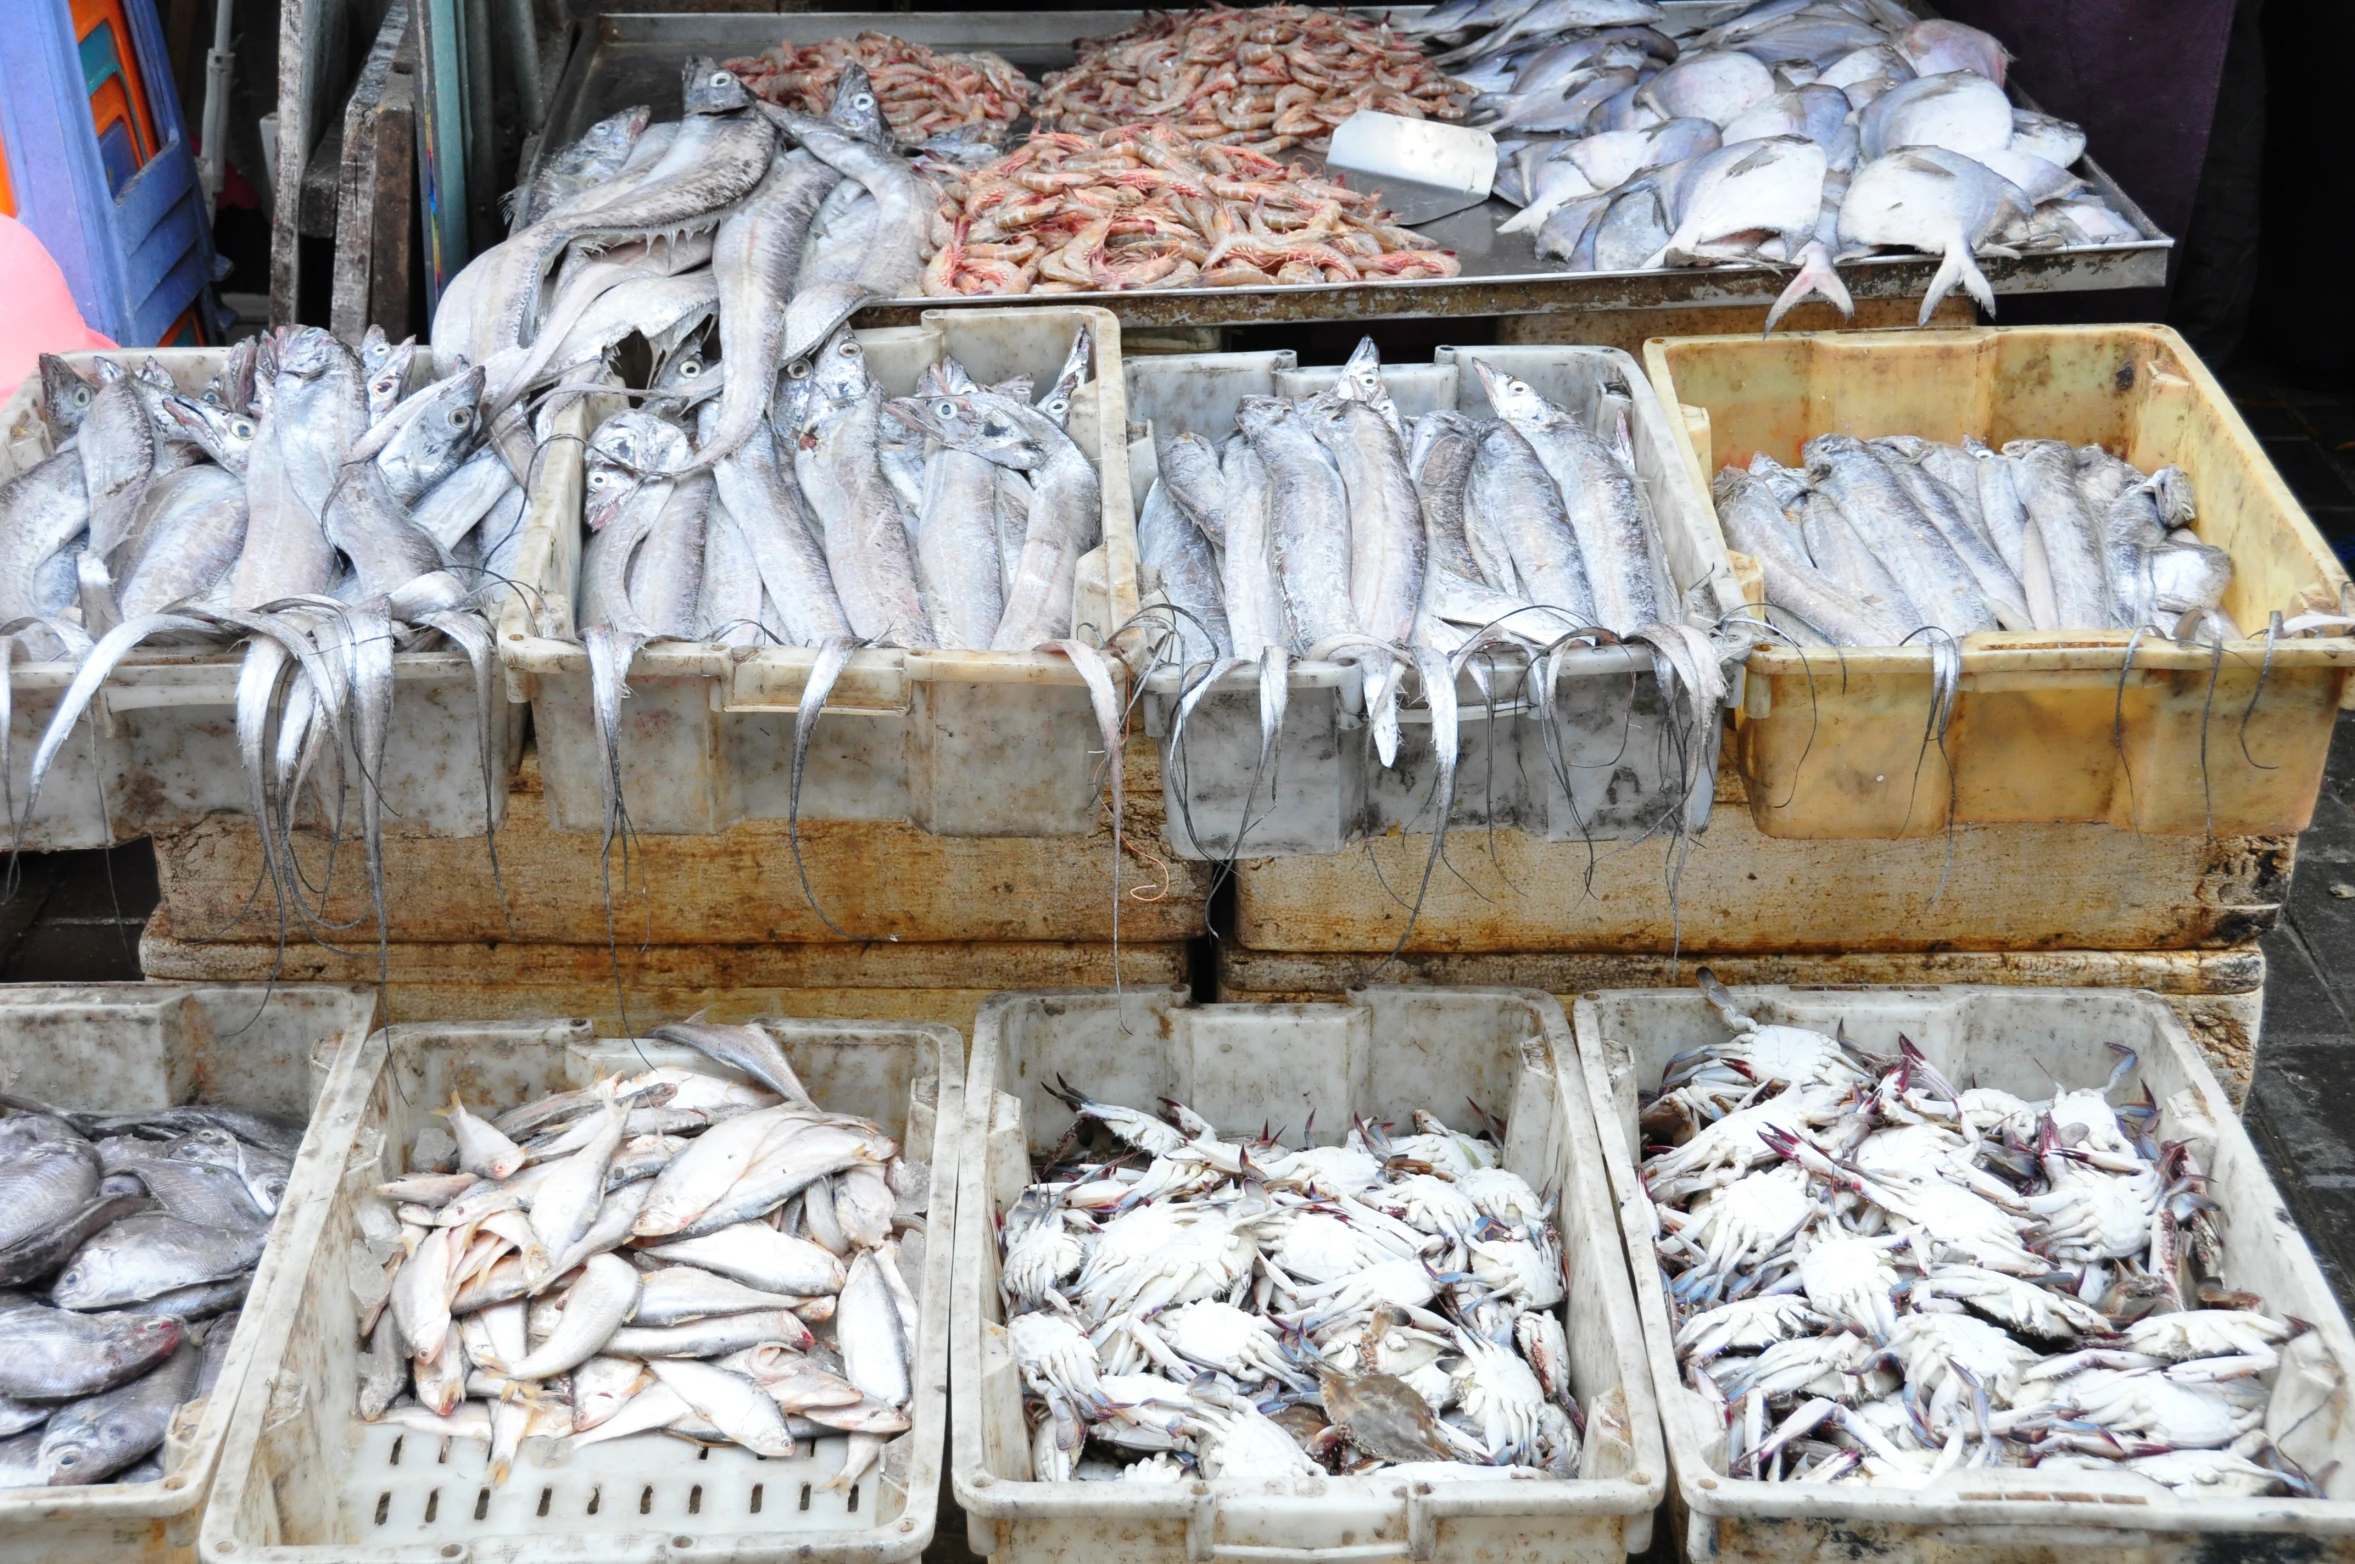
<point x="304" y="1481"/>
<point x="99" y="1046"/>
<point x="958" y="743"/>
<point x="158" y="750"/>
<point x="1381" y="1054"/>
<point x="2025" y="1041"/>
<point x="1612" y="767"/>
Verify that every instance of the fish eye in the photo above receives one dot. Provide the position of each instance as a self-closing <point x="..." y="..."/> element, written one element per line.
<point x="944" y="408"/>
<point x="850" y="350"/>
<point x="799" y="369"/>
<point x="241" y="427"/>
<point x="689" y="370"/>
<point x="81" y="396"/>
<point x="720" y="78"/>
<point x="460" y="417"/>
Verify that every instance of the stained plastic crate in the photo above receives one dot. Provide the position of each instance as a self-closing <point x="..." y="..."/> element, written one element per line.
<point x="154" y="1045"/>
<point x="1381" y="1053"/>
<point x="100" y="163"/>
<point x="1325" y="787"/>
<point x="158" y="749"/>
<point x="303" y="1481"/>
<point x="2022" y="1040"/>
<point x="2144" y="733"/>
<point x="959" y="743"/>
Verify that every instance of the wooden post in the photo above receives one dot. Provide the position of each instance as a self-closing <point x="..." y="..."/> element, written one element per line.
<point x="373" y="188"/>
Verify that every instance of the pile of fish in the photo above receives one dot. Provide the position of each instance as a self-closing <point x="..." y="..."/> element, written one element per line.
<point x="924" y="94"/>
<point x="1872" y="541"/>
<point x="1248" y="1311"/>
<point x="301" y="503"/>
<point x="1271" y="76"/>
<point x="1150" y="206"/>
<point x="1796" y="133"/>
<point x="673" y="1252"/>
<point x="127" y="1241"/>
<point x="1879" y="1277"/>
<point x="1333" y="528"/>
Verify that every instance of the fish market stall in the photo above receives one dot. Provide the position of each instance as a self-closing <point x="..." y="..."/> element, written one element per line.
<point x="2205" y="705"/>
<point x="1097" y="1473"/>
<point x="835" y="1450"/>
<point x="1522" y="715"/>
<point x="2186" y="1398"/>
<point x="155" y="746"/>
<point x="622" y="59"/>
<point x="156" y="1193"/>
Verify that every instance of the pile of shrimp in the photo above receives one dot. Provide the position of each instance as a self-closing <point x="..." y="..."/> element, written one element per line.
<point x="1150" y="207"/>
<point x="1281" y="72"/>
<point x="923" y="94"/>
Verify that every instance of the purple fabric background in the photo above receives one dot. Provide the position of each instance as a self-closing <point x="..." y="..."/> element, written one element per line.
<point x="2139" y="75"/>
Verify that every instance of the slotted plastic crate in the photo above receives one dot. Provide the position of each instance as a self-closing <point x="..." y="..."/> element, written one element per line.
<point x="1382" y="1053"/>
<point x="303" y="1481"/>
<point x="959" y="743"/>
<point x="157" y="750"/>
<point x="153" y="1045"/>
<point x="1612" y="744"/>
<point x="101" y="168"/>
<point x="2020" y="1040"/>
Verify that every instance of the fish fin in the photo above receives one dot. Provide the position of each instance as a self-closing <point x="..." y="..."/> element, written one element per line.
<point x="833" y="656"/>
<point x="1816" y="276"/>
<point x="1953" y="268"/>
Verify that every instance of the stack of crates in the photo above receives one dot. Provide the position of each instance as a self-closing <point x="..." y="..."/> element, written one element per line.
<point x="98" y="164"/>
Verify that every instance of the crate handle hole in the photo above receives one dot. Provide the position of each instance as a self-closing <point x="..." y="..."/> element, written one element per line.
<point x="646" y="1500"/>
<point x="805" y="1496"/>
<point x="695" y="1500"/>
<point x="398" y="1441"/>
<point x="442" y="1457"/>
<point x="383" y="1506"/>
<point x="703" y="1452"/>
<point x="756" y="1488"/>
<point x="546" y="1496"/>
<point x="433" y="1505"/>
<point x="854" y="1499"/>
<point x="596" y="1497"/>
<point x="482" y="1503"/>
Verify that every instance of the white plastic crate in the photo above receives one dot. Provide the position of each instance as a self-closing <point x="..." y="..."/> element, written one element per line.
<point x="959" y="743"/>
<point x="1325" y="787"/>
<point x="158" y="749"/>
<point x="1382" y="1054"/>
<point x="2020" y="1040"/>
<point x="152" y="1045"/>
<point x="304" y="1481"/>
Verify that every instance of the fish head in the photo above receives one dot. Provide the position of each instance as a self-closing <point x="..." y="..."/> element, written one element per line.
<point x="309" y="352"/>
<point x="108" y="371"/>
<point x="616" y="134"/>
<point x="65" y="394"/>
<point x="838" y="371"/>
<point x="225" y="436"/>
<point x="705" y="88"/>
<point x="375" y="347"/>
<point x="856" y="109"/>
<point x="978" y="424"/>
<point x="1516" y="401"/>
<point x="1259" y="414"/>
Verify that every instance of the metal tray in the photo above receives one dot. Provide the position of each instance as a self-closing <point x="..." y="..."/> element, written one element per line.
<point x="621" y="59"/>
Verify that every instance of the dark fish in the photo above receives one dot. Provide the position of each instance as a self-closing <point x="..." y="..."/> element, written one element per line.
<point x="54" y="1355"/>
<point x="201" y="1300"/>
<point x="200" y="1192"/>
<point x="17" y="1416"/>
<point x="152" y="1254"/>
<point x="279" y="1132"/>
<point x="33" y="1257"/>
<point x="92" y="1440"/>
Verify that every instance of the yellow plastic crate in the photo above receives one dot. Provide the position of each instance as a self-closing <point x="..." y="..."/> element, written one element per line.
<point x="2158" y="736"/>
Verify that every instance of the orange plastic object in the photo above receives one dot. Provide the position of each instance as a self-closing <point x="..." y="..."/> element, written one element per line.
<point x="2151" y="735"/>
<point x="37" y="313"/>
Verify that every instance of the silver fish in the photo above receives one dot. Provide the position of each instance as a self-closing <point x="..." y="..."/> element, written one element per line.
<point x="190" y="531"/>
<point x="38" y="1254"/>
<point x="2044" y="472"/>
<point x="1935" y="201"/>
<point x="1190" y="468"/>
<point x="1310" y="512"/>
<point x="594" y="1308"/>
<point x="1386" y="537"/>
<point x="1247" y="578"/>
<point x="876" y="1346"/>
<point x="758" y="1256"/>
<point x="198" y="1192"/>
<point x="1174" y="549"/>
<point x="711" y="1336"/>
<point x="1440" y="458"/>
<point x="314" y="410"/>
<point x="369" y="526"/>
<point x="44" y="1185"/>
<point x="1521" y="518"/>
<point x="570" y="1196"/>
<point x="678" y="1294"/>
<point x="1944" y="510"/>
<point x="1961" y="111"/>
<point x="597" y="156"/>
<point x="865" y="531"/>
<point x="42" y="511"/>
<point x="66" y="395"/>
<point x="731" y="1403"/>
<point x="749" y="1049"/>
<point x="1754" y="525"/>
<point x="1878" y="506"/>
<point x="1617" y="542"/>
<point x="116" y="444"/>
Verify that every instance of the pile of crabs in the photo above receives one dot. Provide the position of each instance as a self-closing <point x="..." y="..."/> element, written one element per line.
<point x="1877" y="1277"/>
<point x="1187" y="1303"/>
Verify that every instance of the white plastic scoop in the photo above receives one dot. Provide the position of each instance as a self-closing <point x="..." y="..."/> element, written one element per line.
<point x="1424" y="169"/>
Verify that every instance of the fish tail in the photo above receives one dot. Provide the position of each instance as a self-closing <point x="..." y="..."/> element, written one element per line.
<point x="1816" y="276"/>
<point x="1956" y="267"/>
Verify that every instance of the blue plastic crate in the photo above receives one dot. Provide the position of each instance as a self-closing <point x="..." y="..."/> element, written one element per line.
<point x="124" y="218"/>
